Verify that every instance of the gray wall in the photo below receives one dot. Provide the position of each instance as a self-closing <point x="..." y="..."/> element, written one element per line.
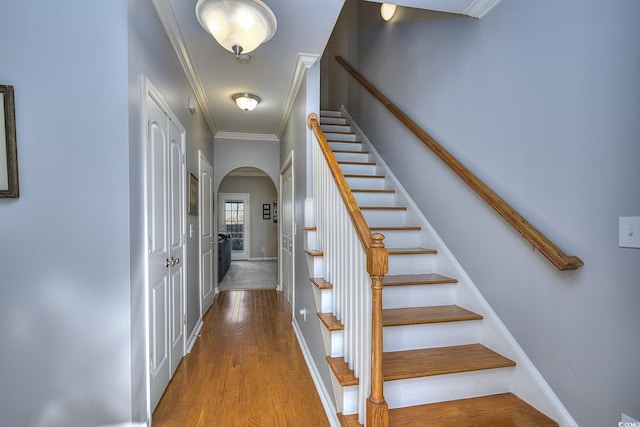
<point x="70" y="250"/>
<point x="151" y="54"/>
<point x="541" y="100"/>
<point x="64" y="244"/>
<point x="263" y="233"/>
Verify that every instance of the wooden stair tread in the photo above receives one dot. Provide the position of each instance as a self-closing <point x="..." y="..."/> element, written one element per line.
<point x="371" y="190"/>
<point x="321" y="283"/>
<point x="398" y="228"/>
<point x="347" y="162"/>
<point x="310" y="228"/>
<point x="313" y="252"/>
<point x="341" y="370"/>
<point x="383" y="208"/>
<point x="439" y="361"/>
<point x="416" y="279"/>
<point x="350" y="151"/>
<point x="352" y="175"/>
<point x="498" y="410"/>
<point x="411" y="251"/>
<point x="422" y="315"/>
<point x="330" y="322"/>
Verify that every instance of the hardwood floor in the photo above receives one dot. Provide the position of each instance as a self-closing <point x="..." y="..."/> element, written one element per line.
<point x="246" y="369"/>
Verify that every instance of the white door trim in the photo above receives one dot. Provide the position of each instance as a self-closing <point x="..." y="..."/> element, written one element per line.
<point x="288" y="163"/>
<point x="205" y="165"/>
<point x="149" y="90"/>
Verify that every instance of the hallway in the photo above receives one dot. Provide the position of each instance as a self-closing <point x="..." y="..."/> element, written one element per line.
<point x="246" y="369"/>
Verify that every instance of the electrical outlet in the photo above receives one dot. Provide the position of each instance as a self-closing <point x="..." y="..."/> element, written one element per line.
<point x="629" y="232"/>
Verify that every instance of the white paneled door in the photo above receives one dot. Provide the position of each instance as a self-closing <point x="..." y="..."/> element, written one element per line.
<point x="207" y="240"/>
<point x="165" y="206"/>
<point x="287" y="230"/>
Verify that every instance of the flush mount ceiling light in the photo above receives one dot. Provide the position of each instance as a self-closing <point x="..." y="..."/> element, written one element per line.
<point x="246" y="101"/>
<point x="387" y="10"/>
<point x="239" y="26"/>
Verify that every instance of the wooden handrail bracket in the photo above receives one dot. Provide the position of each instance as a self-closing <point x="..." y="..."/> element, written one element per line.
<point x="539" y="241"/>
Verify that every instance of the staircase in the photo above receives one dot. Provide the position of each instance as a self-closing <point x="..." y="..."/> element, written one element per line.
<point x="448" y="360"/>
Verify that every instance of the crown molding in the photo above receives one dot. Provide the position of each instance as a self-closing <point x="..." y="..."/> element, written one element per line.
<point x="170" y="23"/>
<point x="305" y="60"/>
<point x="473" y="8"/>
<point x="479" y="8"/>
<point x="267" y="137"/>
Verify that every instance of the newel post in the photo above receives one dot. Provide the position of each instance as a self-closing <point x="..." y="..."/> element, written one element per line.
<point x="377" y="267"/>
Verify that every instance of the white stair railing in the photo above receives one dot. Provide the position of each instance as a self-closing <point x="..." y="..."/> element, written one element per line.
<point x="352" y="265"/>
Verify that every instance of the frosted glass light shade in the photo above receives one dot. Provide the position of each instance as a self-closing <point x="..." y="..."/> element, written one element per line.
<point x="246" y="101"/>
<point x="238" y="25"/>
<point x="387" y="10"/>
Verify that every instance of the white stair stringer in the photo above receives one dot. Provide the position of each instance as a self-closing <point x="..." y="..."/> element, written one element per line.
<point x="523" y="380"/>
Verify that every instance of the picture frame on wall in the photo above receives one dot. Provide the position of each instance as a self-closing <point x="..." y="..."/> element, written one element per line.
<point x="275" y="211"/>
<point x="8" y="148"/>
<point x="193" y="195"/>
<point x="266" y="211"/>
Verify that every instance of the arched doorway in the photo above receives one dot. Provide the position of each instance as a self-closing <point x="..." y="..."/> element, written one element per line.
<point x="247" y="217"/>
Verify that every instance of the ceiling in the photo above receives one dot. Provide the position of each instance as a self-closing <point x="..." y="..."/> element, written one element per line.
<point x="276" y="68"/>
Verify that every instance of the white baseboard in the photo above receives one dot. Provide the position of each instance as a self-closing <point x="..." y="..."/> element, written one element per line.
<point x="325" y="397"/>
<point x="194" y="336"/>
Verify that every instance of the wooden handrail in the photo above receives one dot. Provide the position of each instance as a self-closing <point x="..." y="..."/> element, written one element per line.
<point x="534" y="236"/>
<point x="377" y="257"/>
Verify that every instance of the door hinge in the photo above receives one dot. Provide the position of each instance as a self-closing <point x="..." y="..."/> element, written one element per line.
<point x="151" y="367"/>
<point x="184" y="319"/>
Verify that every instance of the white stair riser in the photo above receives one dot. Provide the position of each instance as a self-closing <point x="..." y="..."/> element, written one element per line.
<point x="399" y="239"/>
<point x="330" y="113"/>
<point x="361" y="169"/>
<point x="378" y="218"/>
<point x="411" y="264"/>
<point x="315" y="265"/>
<point x="418" y="295"/>
<point x="366" y="183"/>
<point x="342" y="128"/>
<point x="374" y="199"/>
<point x="346" y="397"/>
<point x="345" y="145"/>
<point x="324" y="299"/>
<point x="332" y="121"/>
<point x="332" y="341"/>
<point x="413" y="337"/>
<point x="439" y="388"/>
<point x="362" y="156"/>
<point x="311" y="237"/>
<point x="338" y="136"/>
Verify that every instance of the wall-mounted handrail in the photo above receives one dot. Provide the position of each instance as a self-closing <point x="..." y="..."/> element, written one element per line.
<point x="377" y="266"/>
<point x="539" y="241"/>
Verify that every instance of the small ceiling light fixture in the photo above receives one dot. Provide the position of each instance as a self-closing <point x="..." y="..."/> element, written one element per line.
<point x="239" y="26"/>
<point x="246" y="101"/>
<point x="387" y="10"/>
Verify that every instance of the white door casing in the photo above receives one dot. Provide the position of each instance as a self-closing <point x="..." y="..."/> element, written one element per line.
<point x="165" y="224"/>
<point x="207" y="240"/>
<point x="287" y="230"/>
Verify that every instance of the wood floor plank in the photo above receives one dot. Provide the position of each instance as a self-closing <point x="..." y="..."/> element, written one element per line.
<point x="246" y="369"/>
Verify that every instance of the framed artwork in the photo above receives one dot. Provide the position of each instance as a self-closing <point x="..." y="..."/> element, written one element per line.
<point x="275" y="211"/>
<point x="266" y="211"/>
<point x="8" y="148"/>
<point x="193" y="195"/>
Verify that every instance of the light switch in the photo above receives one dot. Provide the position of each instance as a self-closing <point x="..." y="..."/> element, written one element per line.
<point x="629" y="232"/>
